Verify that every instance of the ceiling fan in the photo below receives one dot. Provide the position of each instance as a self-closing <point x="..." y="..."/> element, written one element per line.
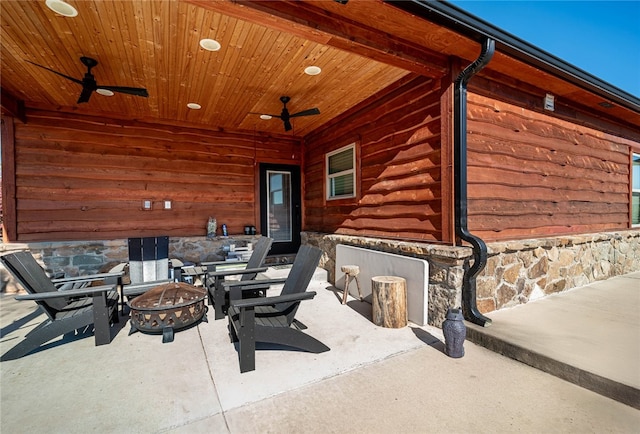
<point x="90" y="85"/>
<point x="285" y="116"/>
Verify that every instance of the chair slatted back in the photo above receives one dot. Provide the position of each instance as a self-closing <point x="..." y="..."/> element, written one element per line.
<point x="304" y="266"/>
<point x="148" y="259"/>
<point x="260" y="250"/>
<point x="27" y="271"/>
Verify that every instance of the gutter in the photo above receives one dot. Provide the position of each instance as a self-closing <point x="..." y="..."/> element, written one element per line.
<point x="469" y="306"/>
<point x="460" y="21"/>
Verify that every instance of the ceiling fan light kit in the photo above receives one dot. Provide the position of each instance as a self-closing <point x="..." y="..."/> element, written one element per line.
<point x="62" y="8"/>
<point x="104" y="92"/>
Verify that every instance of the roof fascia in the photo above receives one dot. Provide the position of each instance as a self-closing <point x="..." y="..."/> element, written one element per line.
<point x="460" y="21"/>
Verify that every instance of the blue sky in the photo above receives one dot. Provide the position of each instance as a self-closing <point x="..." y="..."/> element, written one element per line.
<point x="599" y="37"/>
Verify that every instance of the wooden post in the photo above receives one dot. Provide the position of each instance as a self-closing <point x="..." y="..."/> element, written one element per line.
<point x="389" y="294"/>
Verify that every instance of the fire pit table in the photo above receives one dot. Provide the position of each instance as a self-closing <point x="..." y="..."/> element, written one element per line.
<point x="168" y="308"/>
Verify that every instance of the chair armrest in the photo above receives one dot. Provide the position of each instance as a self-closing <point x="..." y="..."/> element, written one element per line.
<point x="90" y="290"/>
<point x="140" y="288"/>
<point x="253" y="284"/>
<point x="88" y="278"/>
<point x="269" y="301"/>
<point x="193" y="271"/>
<point x="234" y="272"/>
<point x="216" y="263"/>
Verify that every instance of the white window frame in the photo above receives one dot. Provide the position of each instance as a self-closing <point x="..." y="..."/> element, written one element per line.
<point x="331" y="176"/>
<point x="634" y="191"/>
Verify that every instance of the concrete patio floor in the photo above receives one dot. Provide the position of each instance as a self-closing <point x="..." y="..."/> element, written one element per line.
<point x="373" y="380"/>
<point x="589" y="336"/>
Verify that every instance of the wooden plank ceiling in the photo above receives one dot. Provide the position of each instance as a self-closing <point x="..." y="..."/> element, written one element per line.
<point x="362" y="48"/>
<point x="155" y="45"/>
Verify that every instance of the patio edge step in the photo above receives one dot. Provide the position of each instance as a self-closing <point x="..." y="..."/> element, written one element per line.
<point x="615" y="390"/>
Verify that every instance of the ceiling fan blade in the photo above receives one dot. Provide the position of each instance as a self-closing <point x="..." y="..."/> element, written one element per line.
<point x="138" y="91"/>
<point x="287" y="125"/>
<point x="310" y="112"/>
<point x="85" y="95"/>
<point x="75" y="80"/>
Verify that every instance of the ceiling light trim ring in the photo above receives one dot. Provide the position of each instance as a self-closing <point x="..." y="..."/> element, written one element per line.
<point x="210" y="44"/>
<point x="312" y="70"/>
<point x="62" y="8"/>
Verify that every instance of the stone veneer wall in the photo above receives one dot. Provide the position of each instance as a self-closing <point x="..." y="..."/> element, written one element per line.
<point x="521" y="271"/>
<point x="516" y="271"/>
<point x="74" y="258"/>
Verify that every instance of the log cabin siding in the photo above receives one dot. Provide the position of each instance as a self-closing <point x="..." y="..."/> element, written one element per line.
<point x="399" y="171"/>
<point x="533" y="175"/>
<point x="82" y="178"/>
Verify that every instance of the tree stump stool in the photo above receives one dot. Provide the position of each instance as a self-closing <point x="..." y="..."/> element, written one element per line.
<point x="389" y="295"/>
<point x="351" y="272"/>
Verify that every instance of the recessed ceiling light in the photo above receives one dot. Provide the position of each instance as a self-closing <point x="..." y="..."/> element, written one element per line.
<point x="312" y="70"/>
<point x="104" y="92"/>
<point x="62" y="8"/>
<point x="194" y="106"/>
<point x="210" y="44"/>
<point x="605" y="104"/>
<point x="265" y="117"/>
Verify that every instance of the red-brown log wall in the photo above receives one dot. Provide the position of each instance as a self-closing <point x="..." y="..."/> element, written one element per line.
<point x="533" y="175"/>
<point x="399" y="188"/>
<point x="85" y="178"/>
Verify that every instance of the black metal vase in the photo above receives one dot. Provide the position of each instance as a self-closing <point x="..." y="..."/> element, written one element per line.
<point x="455" y="333"/>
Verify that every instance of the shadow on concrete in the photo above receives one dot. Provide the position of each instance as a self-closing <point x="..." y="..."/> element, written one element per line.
<point x="82" y="333"/>
<point x="428" y="338"/>
<point x="361" y="307"/>
<point x="17" y="324"/>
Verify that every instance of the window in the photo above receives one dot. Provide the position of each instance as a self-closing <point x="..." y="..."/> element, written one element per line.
<point x="279" y="206"/>
<point x="635" y="188"/>
<point x="341" y="174"/>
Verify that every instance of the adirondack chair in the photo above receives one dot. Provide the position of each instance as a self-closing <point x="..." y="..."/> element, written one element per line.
<point x="272" y="319"/>
<point x="67" y="310"/>
<point x="216" y="278"/>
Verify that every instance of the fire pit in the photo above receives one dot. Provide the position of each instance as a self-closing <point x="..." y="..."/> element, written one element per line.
<point x="167" y="308"/>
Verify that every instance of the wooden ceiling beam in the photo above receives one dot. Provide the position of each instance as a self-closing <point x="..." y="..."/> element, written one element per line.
<point x="312" y="23"/>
